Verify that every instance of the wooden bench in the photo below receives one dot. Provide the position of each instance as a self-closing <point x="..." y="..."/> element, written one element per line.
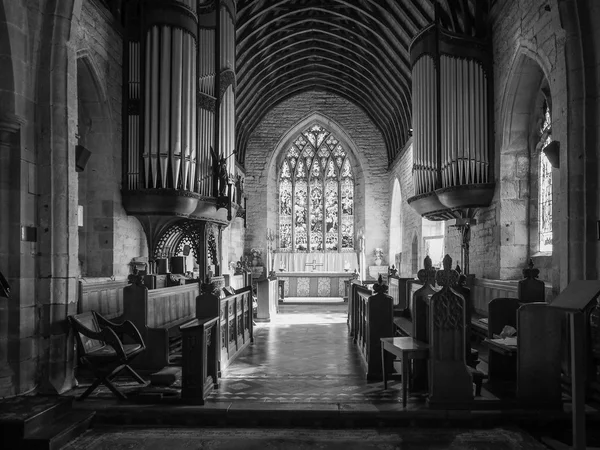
<point x="101" y="295"/>
<point x="158" y="314"/>
<point x="372" y="320"/>
<point x="235" y="326"/>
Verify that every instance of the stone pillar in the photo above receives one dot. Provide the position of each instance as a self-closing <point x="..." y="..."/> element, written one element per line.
<point x="57" y="202"/>
<point x="9" y="227"/>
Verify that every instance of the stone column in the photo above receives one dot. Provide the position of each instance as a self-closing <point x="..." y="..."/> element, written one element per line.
<point x="9" y="220"/>
<point x="57" y="204"/>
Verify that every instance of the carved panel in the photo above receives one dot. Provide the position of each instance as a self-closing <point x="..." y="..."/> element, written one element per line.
<point x="303" y="286"/>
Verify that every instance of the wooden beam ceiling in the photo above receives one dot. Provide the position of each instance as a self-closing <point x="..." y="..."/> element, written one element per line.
<point x="357" y="49"/>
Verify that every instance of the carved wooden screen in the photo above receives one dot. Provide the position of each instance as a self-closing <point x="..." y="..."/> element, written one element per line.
<point x="316" y="195"/>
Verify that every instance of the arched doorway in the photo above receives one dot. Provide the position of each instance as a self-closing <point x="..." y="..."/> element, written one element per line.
<point x="96" y="202"/>
<point x="521" y="162"/>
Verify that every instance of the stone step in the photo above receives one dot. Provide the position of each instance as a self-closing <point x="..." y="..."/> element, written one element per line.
<point x="21" y="416"/>
<point x="57" y="434"/>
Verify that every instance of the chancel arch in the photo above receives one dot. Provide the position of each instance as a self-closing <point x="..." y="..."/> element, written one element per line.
<point x="526" y="176"/>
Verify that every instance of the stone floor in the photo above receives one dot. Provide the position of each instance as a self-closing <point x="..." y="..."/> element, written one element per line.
<point x="302" y="439"/>
<point x="296" y="387"/>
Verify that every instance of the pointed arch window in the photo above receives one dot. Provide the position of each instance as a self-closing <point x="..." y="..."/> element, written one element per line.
<point x="316" y="195"/>
<point x="545" y="184"/>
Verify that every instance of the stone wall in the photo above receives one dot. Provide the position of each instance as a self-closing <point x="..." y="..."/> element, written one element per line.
<point x="528" y="45"/>
<point x="109" y="237"/>
<point x="349" y="123"/>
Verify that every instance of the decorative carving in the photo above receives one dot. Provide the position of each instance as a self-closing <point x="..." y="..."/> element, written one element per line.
<point x="428" y="273"/>
<point x="136" y="278"/>
<point x="210" y="287"/>
<point x="227" y="78"/>
<point x="211" y="244"/>
<point x="447" y="277"/>
<point x="530" y="272"/>
<point x="447" y="309"/>
<point x="380" y="287"/>
<point x="208" y="337"/>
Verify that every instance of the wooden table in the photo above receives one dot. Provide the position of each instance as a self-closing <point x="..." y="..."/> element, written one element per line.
<point x="405" y="348"/>
<point x="502" y="362"/>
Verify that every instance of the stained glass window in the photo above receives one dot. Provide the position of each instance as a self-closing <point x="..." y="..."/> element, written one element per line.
<point x="316" y="194"/>
<point x="545" y="183"/>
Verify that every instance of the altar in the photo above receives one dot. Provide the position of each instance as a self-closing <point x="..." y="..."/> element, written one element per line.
<point x="315" y="284"/>
<point x="311" y="262"/>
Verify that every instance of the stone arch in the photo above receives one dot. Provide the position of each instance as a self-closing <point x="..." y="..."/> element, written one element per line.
<point x="395" y="246"/>
<point x="525" y="80"/>
<point x="95" y="201"/>
<point x="414" y="255"/>
<point x="357" y="160"/>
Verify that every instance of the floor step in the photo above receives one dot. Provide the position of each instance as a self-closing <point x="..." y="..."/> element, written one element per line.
<point x="24" y="415"/>
<point x="57" y="434"/>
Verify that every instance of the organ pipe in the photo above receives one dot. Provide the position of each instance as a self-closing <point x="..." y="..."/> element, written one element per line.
<point x="451" y="117"/>
<point x="181" y="77"/>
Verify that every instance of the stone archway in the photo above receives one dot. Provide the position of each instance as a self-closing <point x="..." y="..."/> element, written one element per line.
<point x="95" y="181"/>
<point x="522" y="92"/>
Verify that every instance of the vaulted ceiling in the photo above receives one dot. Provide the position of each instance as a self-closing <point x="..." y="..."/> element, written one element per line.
<point x="357" y="49"/>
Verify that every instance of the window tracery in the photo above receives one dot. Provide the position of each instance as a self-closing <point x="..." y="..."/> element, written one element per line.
<point x="316" y="177"/>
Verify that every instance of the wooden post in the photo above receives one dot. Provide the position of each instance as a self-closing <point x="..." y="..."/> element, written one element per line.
<point x="577" y="324"/>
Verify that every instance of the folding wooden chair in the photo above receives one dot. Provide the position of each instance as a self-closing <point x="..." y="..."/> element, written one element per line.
<point x="101" y="349"/>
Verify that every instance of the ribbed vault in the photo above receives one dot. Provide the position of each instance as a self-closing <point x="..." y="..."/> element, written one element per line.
<point x="357" y="49"/>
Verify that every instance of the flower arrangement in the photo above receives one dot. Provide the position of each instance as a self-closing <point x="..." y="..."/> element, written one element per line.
<point x="378" y="252"/>
<point x="255" y="252"/>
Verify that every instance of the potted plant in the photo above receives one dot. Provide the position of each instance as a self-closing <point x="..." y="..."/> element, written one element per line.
<point x="255" y="254"/>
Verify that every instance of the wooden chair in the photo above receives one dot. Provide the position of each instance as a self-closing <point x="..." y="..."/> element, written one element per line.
<point x="101" y="349"/>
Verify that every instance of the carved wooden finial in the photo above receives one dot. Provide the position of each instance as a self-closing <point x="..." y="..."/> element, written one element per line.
<point x="136" y="278"/>
<point x="530" y="272"/>
<point x="427" y="274"/>
<point x="448" y="276"/>
<point x="380" y="287"/>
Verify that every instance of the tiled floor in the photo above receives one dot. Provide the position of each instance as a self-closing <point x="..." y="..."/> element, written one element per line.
<point x="303" y="355"/>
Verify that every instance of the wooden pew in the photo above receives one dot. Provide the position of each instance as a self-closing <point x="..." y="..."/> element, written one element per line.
<point x="158" y="314"/>
<point x="235" y="326"/>
<point x="400" y="291"/>
<point x="103" y="296"/>
<point x="527" y="290"/>
<point x="199" y="368"/>
<point x="356" y="289"/>
<point x="450" y="379"/>
<point x="373" y="319"/>
<point x="404" y="322"/>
